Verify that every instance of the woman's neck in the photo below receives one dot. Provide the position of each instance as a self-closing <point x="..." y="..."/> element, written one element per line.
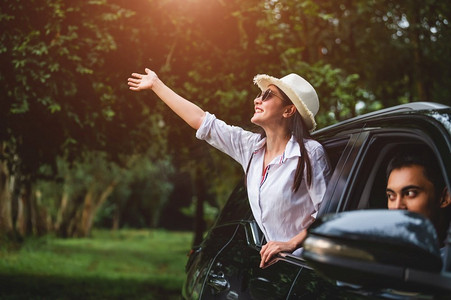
<point x="275" y="146"/>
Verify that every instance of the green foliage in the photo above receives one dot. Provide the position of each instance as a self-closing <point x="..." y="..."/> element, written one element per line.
<point x="140" y="183"/>
<point x="340" y="95"/>
<point x="393" y="46"/>
<point x="138" y="199"/>
<point x="210" y="212"/>
<point x="63" y="101"/>
<point x="65" y="64"/>
<point x="49" y="54"/>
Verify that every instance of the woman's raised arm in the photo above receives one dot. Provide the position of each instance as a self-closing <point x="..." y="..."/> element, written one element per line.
<point x="188" y="111"/>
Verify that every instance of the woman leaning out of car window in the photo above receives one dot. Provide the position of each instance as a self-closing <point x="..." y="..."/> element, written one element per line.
<point x="286" y="171"/>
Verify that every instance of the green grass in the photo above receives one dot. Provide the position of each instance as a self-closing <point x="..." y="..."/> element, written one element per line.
<point x="127" y="264"/>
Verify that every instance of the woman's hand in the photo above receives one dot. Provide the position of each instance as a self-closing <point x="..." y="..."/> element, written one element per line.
<point x="140" y="82"/>
<point x="271" y="249"/>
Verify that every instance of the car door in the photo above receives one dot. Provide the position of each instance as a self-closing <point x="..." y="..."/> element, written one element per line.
<point x="227" y="265"/>
<point x="363" y="184"/>
<point x="201" y="258"/>
<point x="359" y="183"/>
<point x="235" y="272"/>
<point x="359" y="158"/>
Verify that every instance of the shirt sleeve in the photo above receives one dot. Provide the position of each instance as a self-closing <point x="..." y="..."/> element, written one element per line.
<point x="321" y="173"/>
<point x="232" y="140"/>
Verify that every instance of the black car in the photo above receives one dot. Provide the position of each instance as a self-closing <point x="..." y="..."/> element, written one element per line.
<point x="226" y="264"/>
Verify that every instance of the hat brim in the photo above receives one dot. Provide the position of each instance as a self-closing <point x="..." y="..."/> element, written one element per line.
<point x="263" y="81"/>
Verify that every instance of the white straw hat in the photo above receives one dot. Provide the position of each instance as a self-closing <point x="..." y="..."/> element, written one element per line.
<point x="300" y="92"/>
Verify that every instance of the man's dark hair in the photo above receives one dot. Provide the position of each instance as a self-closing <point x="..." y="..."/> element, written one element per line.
<point x="421" y="156"/>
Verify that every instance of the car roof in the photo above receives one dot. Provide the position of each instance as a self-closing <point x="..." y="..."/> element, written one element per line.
<point x="380" y="116"/>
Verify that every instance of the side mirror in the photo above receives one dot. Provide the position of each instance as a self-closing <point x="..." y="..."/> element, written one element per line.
<point x="378" y="249"/>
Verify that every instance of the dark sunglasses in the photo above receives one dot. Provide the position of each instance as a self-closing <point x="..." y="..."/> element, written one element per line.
<point x="267" y="95"/>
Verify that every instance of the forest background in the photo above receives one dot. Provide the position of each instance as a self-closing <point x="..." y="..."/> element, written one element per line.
<point x="79" y="150"/>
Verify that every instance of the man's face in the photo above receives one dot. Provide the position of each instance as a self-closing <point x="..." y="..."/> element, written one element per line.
<point x="409" y="189"/>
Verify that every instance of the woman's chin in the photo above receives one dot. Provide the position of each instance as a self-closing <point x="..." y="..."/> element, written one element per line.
<point x="255" y="119"/>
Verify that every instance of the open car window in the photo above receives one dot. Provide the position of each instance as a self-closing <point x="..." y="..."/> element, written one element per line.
<point x="368" y="188"/>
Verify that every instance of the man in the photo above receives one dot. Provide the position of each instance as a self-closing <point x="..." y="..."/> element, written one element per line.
<point x="415" y="184"/>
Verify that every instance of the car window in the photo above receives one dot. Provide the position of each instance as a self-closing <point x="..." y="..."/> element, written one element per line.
<point x="237" y="207"/>
<point x="367" y="189"/>
<point x="334" y="149"/>
<point x="374" y="193"/>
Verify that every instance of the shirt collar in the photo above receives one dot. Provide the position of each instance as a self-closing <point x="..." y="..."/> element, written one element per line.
<point x="260" y="144"/>
<point x="291" y="150"/>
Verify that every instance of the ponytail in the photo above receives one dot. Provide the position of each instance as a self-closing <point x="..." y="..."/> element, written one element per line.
<point x="299" y="131"/>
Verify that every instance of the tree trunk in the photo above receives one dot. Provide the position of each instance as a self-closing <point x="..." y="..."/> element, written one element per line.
<point x="67" y="213"/>
<point x="24" y="221"/>
<point x="116" y="218"/>
<point x="39" y="215"/>
<point x="62" y="211"/>
<point x="156" y="212"/>
<point x="199" y="222"/>
<point x="6" y="224"/>
<point x="92" y="203"/>
<point x="86" y="211"/>
<point x="43" y="220"/>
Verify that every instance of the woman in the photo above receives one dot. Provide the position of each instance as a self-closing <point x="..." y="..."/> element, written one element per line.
<point x="286" y="171"/>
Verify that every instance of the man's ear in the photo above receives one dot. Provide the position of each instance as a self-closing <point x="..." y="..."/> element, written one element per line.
<point x="445" y="199"/>
<point x="289" y="111"/>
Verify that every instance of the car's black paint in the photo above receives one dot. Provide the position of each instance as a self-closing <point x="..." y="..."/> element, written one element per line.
<point x="379" y="249"/>
<point x="225" y="265"/>
<point x="379" y="233"/>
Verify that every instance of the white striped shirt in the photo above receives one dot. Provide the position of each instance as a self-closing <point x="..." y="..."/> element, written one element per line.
<point x="280" y="213"/>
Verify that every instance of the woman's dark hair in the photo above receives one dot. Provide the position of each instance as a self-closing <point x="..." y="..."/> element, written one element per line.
<point x="299" y="130"/>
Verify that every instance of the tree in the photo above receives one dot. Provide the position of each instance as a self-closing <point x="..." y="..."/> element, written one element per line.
<point x="396" y="47"/>
<point x="64" y="68"/>
<point x="60" y="100"/>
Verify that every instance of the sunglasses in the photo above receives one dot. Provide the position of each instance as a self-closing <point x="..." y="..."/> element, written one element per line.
<point x="266" y="95"/>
